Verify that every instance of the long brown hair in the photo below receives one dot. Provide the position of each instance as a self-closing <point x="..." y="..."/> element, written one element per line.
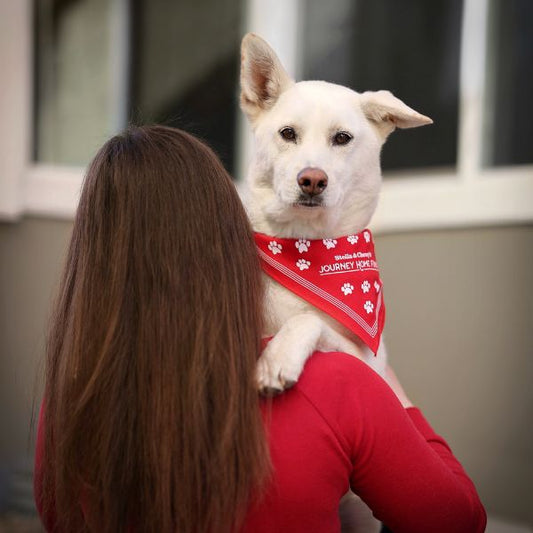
<point x="151" y="411"/>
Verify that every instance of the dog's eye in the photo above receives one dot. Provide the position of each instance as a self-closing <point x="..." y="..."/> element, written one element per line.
<point x="342" y="137"/>
<point x="288" y="134"/>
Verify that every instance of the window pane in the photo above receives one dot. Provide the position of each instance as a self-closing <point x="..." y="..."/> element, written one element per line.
<point x="410" y="48"/>
<point x="185" y="71"/>
<point x="510" y="83"/>
<point x="73" y="86"/>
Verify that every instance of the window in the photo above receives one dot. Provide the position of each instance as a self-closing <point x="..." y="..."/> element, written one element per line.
<point x="410" y="48"/>
<point x="509" y="109"/>
<point x="185" y="68"/>
<point x="74" y="106"/>
<point x="182" y="70"/>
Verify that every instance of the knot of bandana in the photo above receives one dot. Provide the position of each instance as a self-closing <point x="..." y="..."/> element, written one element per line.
<point x="338" y="276"/>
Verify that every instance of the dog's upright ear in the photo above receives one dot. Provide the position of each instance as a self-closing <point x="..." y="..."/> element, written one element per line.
<point x="263" y="77"/>
<point x="388" y="112"/>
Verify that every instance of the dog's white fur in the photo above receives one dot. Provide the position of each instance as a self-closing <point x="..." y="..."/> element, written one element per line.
<point x="316" y="110"/>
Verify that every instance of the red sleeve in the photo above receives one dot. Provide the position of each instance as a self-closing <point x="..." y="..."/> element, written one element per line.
<point x="402" y="469"/>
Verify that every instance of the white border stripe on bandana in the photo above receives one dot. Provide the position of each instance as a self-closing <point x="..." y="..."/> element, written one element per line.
<point x="324" y="295"/>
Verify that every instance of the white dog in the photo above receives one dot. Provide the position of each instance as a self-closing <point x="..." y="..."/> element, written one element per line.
<point x="315" y="174"/>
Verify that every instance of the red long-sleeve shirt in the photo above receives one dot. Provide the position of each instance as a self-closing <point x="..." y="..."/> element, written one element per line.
<point x="341" y="426"/>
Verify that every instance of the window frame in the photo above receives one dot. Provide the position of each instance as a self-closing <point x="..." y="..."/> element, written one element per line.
<point x="28" y="187"/>
<point x="469" y="195"/>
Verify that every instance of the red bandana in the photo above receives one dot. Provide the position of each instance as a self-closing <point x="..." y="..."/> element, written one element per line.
<point x="339" y="276"/>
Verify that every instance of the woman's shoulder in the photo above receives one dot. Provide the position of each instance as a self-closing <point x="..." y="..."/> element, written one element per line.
<point x="342" y="388"/>
<point x="338" y="388"/>
<point x="334" y="370"/>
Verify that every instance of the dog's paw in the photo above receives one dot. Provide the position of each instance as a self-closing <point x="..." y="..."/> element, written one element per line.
<point x="284" y="357"/>
<point x="276" y="371"/>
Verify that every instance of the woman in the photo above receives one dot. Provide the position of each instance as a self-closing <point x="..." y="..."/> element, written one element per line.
<point x="151" y="419"/>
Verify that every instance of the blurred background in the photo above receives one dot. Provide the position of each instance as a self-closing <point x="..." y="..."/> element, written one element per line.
<point x="454" y="227"/>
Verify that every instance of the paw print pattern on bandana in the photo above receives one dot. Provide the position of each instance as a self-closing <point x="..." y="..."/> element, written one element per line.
<point x="302" y="264"/>
<point x="329" y="243"/>
<point x="275" y="247"/>
<point x="337" y="273"/>
<point x="347" y="288"/>
<point x="369" y="306"/>
<point x="302" y="245"/>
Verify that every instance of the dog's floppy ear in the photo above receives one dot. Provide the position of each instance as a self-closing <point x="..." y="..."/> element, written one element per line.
<point x="263" y="78"/>
<point x="388" y="112"/>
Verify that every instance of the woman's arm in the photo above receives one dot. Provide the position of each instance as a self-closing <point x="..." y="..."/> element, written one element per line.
<point x="405" y="472"/>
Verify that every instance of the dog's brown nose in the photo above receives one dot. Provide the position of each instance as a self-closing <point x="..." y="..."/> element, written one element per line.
<point x="312" y="181"/>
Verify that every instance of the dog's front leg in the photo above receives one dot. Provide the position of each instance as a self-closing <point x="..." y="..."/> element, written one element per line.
<point x="282" y="361"/>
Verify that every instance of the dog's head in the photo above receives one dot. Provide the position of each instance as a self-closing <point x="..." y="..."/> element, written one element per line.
<point x="315" y="171"/>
